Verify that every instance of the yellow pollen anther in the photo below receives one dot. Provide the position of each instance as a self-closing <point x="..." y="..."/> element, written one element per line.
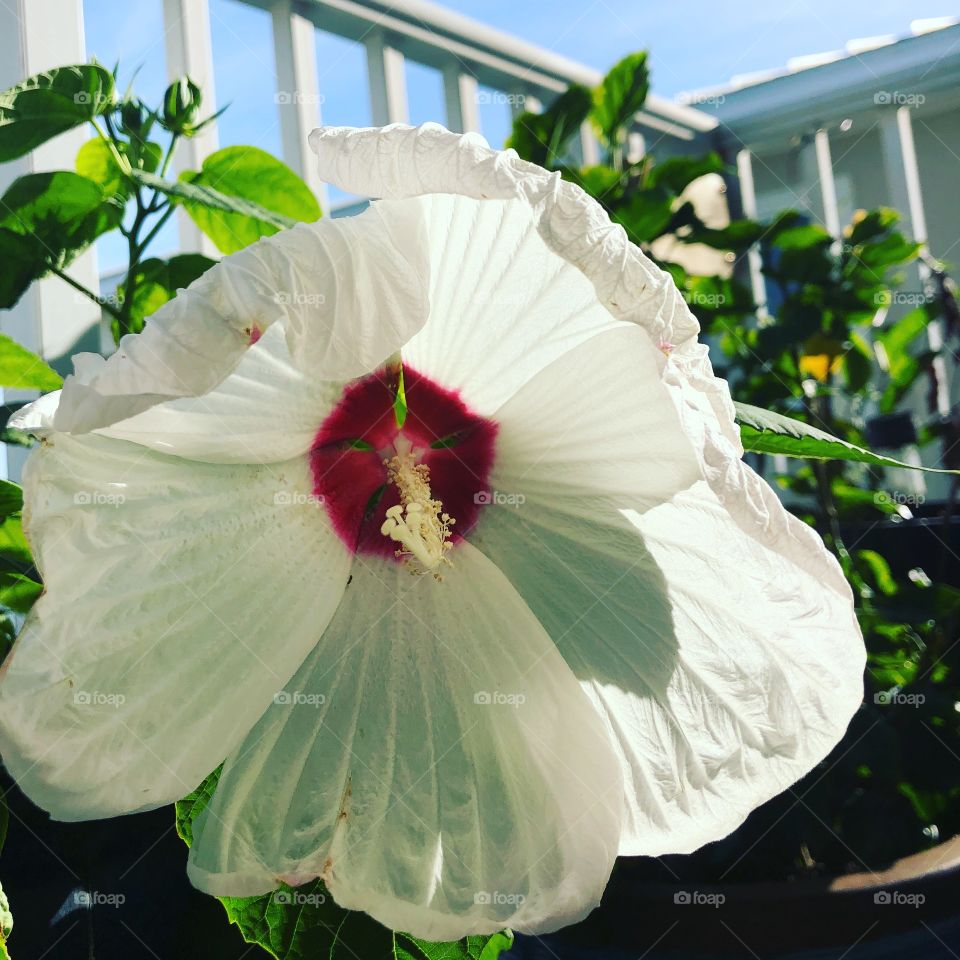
<point x="418" y="523"/>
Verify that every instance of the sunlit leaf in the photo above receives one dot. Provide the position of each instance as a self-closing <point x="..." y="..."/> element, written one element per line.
<point x="763" y="431"/>
<point x="42" y="106"/>
<point x="25" y="370"/>
<point x="254" y="176"/>
<point x="620" y="95"/>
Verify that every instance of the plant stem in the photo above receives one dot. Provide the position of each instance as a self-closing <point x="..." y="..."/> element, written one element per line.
<point x="121" y="161"/>
<point x="89" y="294"/>
<point x="155" y="229"/>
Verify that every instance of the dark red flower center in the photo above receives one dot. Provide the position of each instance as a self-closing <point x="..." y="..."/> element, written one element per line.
<point x="361" y="432"/>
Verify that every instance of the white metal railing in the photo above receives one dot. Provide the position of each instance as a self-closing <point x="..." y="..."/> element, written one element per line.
<point x="39" y="34"/>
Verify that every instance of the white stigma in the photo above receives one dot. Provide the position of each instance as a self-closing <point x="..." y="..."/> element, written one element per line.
<point x="418" y="523"/>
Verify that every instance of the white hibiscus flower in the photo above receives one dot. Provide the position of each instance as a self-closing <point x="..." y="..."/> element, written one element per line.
<point x="603" y="634"/>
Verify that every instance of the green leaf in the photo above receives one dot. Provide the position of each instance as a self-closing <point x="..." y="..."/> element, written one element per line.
<point x="18" y="592"/>
<point x="96" y="162"/>
<point x="495" y="945"/>
<point x="14" y="549"/>
<point x="877" y="255"/>
<point x="46" y="219"/>
<point x="802" y="237"/>
<point x="879" y="571"/>
<point x="620" y="95"/>
<point x="304" y="923"/>
<point x="25" y="370"/>
<point x="49" y="103"/>
<point x="867" y="225"/>
<point x="254" y="176"/>
<point x="763" y="431"/>
<point x="677" y="173"/>
<point x="157" y="281"/>
<point x="736" y="235"/>
<point x="6" y="923"/>
<point x="645" y="216"/>
<point x="541" y="138"/>
<point x="11" y="498"/>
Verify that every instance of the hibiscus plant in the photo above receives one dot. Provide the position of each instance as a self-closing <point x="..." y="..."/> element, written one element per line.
<point x="412" y="555"/>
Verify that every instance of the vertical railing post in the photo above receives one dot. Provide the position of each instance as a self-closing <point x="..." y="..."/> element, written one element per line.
<point x="190" y="53"/>
<point x="461" y="99"/>
<point x="828" y="186"/>
<point x="748" y="202"/>
<point x="298" y="94"/>
<point x="899" y="155"/>
<point x="388" y="82"/>
<point x="50" y="317"/>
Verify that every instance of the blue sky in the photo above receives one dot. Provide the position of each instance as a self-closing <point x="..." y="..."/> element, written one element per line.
<point x="693" y="43"/>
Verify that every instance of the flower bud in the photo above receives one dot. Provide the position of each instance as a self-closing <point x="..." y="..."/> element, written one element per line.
<point x="181" y="104"/>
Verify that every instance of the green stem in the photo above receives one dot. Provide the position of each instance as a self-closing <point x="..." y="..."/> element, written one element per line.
<point x="134" y="250"/>
<point x="89" y="294"/>
<point x="155" y="229"/>
<point x="121" y="161"/>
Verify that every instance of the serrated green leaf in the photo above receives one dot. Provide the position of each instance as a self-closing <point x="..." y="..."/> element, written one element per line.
<point x="252" y="175"/>
<point x="620" y="95"/>
<point x="25" y="370"/>
<point x="45" y="105"/>
<point x="763" y="431"/>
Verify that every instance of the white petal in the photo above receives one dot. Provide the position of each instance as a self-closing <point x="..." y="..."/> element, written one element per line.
<point x="502" y="304"/>
<point x="179" y="597"/>
<point x="725" y="662"/>
<point x="402" y="161"/>
<point x="266" y="411"/>
<point x="434" y="813"/>
<point x="596" y="421"/>
<point x="348" y="292"/>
